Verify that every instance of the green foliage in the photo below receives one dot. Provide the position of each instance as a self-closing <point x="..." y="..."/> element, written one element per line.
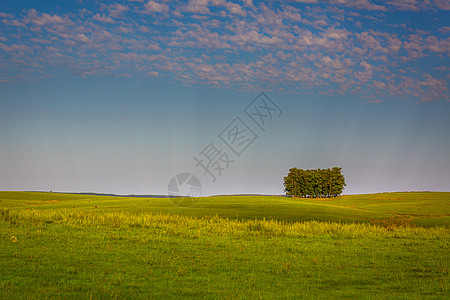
<point x="314" y="183"/>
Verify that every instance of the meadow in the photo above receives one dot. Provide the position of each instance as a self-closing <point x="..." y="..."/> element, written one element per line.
<point x="391" y="245"/>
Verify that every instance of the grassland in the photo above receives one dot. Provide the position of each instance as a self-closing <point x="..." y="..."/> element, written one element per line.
<point x="359" y="246"/>
<point x="424" y="208"/>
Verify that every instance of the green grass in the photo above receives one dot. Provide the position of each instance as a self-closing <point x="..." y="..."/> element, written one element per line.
<point x="222" y="247"/>
<point x="424" y="208"/>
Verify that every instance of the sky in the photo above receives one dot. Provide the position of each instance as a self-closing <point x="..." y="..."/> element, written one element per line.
<point x="122" y="96"/>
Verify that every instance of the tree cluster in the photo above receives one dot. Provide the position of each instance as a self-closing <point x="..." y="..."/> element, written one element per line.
<point x="314" y="183"/>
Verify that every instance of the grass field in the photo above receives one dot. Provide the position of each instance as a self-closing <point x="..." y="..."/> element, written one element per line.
<point x="374" y="246"/>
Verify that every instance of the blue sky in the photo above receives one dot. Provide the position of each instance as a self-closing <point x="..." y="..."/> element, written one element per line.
<point x="120" y="96"/>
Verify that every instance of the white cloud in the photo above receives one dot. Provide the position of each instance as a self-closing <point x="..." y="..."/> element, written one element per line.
<point x="411" y="5"/>
<point x="442" y="4"/>
<point x="103" y="18"/>
<point x="117" y="10"/>
<point x="15" y="47"/>
<point x="434" y="44"/>
<point x="368" y="40"/>
<point x="337" y="34"/>
<point x="153" y="6"/>
<point x="248" y="44"/>
<point x="358" y="4"/>
<point x="307" y="1"/>
<point x="153" y="74"/>
<point x="253" y="37"/>
<point x="13" y="22"/>
<point x="235" y="9"/>
<point x="197" y="6"/>
<point x="45" y="19"/>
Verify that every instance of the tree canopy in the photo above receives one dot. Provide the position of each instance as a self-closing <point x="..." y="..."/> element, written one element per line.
<point x="314" y="183"/>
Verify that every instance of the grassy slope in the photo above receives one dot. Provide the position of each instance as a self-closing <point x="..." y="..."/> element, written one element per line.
<point x="130" y="248"/>
<point x="119" y="255"/>
<point x="424" y="208"/>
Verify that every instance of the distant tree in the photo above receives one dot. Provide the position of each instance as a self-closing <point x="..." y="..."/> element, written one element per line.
<point x="338" y="181"/>
<point x="291" y="182"/>
<point x="314" y="183"/>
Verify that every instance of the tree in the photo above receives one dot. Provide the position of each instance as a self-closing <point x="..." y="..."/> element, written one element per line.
<point x="314" y="183"/>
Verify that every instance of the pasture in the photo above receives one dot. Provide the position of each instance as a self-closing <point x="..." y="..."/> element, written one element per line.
<point x="392" y="245"/>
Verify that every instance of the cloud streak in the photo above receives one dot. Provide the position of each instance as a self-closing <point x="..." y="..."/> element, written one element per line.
<point x="325" y="47"/>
